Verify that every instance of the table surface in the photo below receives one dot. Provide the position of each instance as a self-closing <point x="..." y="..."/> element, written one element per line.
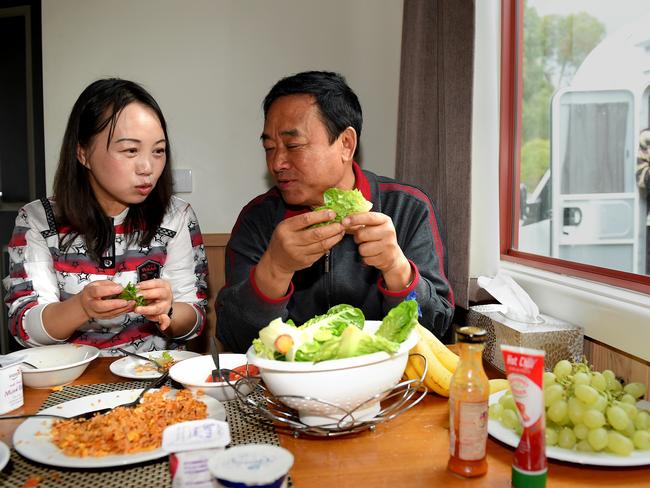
<point x="411" y="450"/>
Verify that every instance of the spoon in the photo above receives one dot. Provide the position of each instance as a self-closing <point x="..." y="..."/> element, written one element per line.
<point x="159" y="368"/>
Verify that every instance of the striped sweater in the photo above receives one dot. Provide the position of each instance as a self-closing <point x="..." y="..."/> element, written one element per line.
<point x="41" y="273"/>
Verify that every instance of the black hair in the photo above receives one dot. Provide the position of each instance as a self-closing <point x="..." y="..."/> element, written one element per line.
<point x="77" y="208"/>
<point x="337" y="104"/>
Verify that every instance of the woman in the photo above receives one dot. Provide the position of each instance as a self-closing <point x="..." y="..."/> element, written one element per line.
<point x="112" y="221"/>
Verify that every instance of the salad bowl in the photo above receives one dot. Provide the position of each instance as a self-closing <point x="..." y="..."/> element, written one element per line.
<point x="337" y="391"/>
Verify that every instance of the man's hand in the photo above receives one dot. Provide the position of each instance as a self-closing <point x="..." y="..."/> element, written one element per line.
<point x="375" y="235"/>
<point x="159" y="296"/>
<point x="98" y="302"/>
<point x="294" y="246"/>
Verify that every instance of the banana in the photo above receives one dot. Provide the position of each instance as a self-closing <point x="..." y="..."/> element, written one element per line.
<point x="442" y="352"/>
<point x="498" y="384"/>
<point x="411" y="374"/>
<point x="438" y="377"/>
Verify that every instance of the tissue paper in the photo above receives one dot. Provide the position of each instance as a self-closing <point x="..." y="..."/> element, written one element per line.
<point x="519" y="305"/>
<point x="516" y="321"/>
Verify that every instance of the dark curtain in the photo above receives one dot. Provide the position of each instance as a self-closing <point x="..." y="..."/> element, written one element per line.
<point x="435" y="119"/>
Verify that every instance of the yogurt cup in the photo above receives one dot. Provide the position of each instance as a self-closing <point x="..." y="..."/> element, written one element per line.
<point x="251" y="465"/>
<point x="11" y="388"/>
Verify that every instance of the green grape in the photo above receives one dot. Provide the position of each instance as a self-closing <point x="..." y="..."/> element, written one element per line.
<point x="584" y="446"/>
<point x="548" y="378"/>
<point x="609" y="375"/>
<point x="600" y="404"/>
<point x="581" y="431"/>
<point x="641" y="439"/>
<point x="593" y="419"/>
<point x="598" y="381"/>
<point x="519" y="429"/>
<point x="629" y="399"/>
<point x="581" y="378"/>
<point x="629" y="429"/>
<point x="508" y="402"/>
<point x="558" y="412"/>
<point x="619" y="444"/>
<point x="630" y="410"/>
<point x="617" y="417"/>
<point x="614" y="386"/>
<point x="551" y="436"/>
<point x="598" y="438"/>
<point x="566" y="439"/>
<point x="552" y="394"/>
<point x="495" y="411"/>
<point x="576" y="410"/>
<point x="586" y="393"/>
<point x="509" y="419"/>
<point x="637" y="390"/>
<point x="562" y="368"/>
<point x="642" y="420"/>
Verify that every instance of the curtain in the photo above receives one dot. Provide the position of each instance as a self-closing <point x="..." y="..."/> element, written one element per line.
<point x="435" y="119"/>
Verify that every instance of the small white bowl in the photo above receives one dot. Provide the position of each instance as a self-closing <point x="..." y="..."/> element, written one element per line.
<point x="324" y="393"/>
<point x="57" y="365"/>
<point x="192" y="373"/>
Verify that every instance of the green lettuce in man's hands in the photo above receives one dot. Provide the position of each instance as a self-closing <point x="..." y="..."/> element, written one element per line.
<point x="130" y="292"/>
<point x="344" y="203"/>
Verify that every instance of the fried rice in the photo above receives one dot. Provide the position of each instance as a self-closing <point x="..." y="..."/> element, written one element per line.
<point x="127" y="430"/>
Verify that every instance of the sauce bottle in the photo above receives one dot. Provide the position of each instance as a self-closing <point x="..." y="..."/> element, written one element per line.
<point x="468" y="406"/>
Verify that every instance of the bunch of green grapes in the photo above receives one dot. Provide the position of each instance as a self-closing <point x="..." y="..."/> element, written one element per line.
<point x="587" y="410"/>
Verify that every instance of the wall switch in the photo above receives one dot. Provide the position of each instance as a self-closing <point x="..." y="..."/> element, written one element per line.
<point x="182" y="180"/>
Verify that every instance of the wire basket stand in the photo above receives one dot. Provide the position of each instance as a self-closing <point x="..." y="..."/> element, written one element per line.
<point x="262" y="407"/>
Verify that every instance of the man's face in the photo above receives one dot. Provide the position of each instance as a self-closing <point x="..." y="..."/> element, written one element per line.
<point x="299" y="156"/>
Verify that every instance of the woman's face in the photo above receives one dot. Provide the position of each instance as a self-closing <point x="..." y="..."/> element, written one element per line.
<point x="124" y="171"/>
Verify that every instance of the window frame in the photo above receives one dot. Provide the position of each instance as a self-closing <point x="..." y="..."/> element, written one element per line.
<point x="511" y="88"/>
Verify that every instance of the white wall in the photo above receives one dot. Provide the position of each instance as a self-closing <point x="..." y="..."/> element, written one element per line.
<point x="209" y="64"/>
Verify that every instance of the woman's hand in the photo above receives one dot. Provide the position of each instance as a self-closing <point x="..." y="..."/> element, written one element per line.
<point x="99" y="300"/>
<point x="158" y="294"/>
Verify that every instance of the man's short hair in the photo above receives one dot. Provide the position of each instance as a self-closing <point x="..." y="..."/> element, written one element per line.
<point x="338" y="105"/>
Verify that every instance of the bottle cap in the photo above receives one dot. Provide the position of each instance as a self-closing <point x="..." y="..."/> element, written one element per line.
<point x="471" y="334"/>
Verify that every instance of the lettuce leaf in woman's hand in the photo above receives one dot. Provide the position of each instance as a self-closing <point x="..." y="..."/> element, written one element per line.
<point x="130" y="292"/>
<point x="344" y="203"/>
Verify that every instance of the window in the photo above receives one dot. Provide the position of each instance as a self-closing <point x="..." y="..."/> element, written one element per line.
<point x="575" y="85"/>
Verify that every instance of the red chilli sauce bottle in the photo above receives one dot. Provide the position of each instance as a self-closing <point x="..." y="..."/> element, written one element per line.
<point x="468" y="406"/>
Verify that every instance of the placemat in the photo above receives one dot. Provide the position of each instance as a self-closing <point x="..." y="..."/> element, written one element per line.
<point x="153" y="473"/>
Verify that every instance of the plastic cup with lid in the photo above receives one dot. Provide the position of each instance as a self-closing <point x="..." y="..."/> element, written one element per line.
<point x="251" y="465"/>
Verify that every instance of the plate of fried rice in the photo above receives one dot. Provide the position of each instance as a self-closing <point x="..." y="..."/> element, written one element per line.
<point x="120" y="437"/>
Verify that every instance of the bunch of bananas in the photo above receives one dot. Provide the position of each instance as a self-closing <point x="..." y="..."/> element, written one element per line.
<point x="441" y="364"/>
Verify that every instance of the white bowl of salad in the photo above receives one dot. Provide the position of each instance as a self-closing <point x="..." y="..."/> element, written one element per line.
<point x="335" y="369"/>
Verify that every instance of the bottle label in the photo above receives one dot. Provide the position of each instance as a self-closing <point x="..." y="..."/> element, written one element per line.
<point x="472" y="430"/>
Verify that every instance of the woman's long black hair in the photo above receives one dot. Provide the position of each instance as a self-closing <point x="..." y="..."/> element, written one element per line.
<point x="77" y="208"/>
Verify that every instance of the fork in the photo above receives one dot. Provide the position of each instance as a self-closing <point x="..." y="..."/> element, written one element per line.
<point x="157" y="383"/>
<point x="159" y="368"/>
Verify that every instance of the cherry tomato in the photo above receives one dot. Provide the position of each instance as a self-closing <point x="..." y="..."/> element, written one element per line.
<point x="238" y="372"/>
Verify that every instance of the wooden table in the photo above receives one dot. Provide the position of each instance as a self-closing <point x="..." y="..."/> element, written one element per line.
<point x="411" y="450"/>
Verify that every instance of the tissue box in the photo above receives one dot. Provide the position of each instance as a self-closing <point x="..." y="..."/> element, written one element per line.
<point x="559" y="339"/>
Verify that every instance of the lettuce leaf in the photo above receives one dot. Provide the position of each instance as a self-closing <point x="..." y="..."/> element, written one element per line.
<point x="344" y="203"/>
<point x="399" y="322"/>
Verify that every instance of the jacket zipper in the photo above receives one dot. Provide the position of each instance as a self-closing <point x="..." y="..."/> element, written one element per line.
<point x="328" y="277"/>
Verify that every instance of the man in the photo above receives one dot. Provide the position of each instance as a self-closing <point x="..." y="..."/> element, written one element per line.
<point x="278" y="265"/>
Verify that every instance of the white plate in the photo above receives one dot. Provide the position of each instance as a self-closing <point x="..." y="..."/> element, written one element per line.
<point x="128" y="366"/>
<point x="507" y="436"/>
<point x="4" y="455"/>
<point x="32" y="441"/>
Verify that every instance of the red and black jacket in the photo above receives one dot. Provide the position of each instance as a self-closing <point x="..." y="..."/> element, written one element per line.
<point x="340" y="276"/>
